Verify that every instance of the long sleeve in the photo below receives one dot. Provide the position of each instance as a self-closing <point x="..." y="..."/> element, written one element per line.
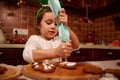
<point x="36" y="42"/>
<point x="29" y="46"/>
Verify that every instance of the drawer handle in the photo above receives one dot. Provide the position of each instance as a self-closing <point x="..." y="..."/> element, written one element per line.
<point x="110" y="53"/>
<point x="78" y="52"/>
<point x="1" y="53"/>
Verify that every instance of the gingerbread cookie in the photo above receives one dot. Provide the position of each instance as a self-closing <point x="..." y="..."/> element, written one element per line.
<point x="92" y="69"/>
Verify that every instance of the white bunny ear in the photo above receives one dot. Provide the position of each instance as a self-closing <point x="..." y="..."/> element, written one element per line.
<point x="55" y="6"/>
<point x="45" y="5"/>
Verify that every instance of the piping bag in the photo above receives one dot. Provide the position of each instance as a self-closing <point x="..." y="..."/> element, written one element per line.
<point x="63" y="31"/>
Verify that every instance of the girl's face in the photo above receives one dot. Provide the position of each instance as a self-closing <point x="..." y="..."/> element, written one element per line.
<point x="48" y="26"/>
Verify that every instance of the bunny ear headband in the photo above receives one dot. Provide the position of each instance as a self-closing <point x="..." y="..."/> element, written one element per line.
<point x="44" y="4"/>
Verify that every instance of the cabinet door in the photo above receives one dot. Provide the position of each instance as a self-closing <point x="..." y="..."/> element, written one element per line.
<point x="11" y="56"/>
<point x="11" y="53"/>
<point x="109" y="54"/>
<point x="81" y="55"/>
<point x="13" y="62"/>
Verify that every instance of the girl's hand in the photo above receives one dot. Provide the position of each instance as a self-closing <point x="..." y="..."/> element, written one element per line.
<point x="62" y="17"/>
<point x="64" y="50"/>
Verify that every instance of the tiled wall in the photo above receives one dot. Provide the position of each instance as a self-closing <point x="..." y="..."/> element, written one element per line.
<point x="103" y="28"/>
<point x="23" y="17"/>
<point x="17" y="17"/>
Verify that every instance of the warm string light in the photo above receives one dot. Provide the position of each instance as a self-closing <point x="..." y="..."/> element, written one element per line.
<point x="21" y="3"/>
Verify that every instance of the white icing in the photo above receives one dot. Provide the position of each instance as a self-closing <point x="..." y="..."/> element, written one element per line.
<point x="68" y="63"/>
<point x="36" y="63"/>
<point x="36" y="66"/>
<point x="46" y="66"/>
<point x="63" y="63"/>
<point x="52" y="65"/>
<point x="49" y="67"/>
<point x="71" y="64"/>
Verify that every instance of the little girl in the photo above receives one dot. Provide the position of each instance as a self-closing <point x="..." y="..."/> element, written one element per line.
<point x="46" y="45"/>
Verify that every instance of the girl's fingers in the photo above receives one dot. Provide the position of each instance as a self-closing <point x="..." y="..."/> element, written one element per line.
<point x="62" y="10"/>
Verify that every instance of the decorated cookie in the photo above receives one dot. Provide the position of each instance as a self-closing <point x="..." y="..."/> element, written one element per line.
<point x="68" y="65"/>
<point x="43" y="67"/>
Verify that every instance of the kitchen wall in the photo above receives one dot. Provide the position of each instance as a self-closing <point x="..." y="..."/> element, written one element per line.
<point x="17" y="17"/>
<point x="103" y="28"/>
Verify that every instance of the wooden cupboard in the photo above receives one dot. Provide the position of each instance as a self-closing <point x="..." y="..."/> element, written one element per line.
<point x="81" y="55"/>
<point x="14" y="55"/>
<point x="11" y="56"/>
<point x="107" y="54"/>
<point x="87" y="54"/>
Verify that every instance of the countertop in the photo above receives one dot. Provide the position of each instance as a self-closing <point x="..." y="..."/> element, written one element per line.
<point x="103" y="64"/>
<point x="81" y="46"/>
<point x="106" y="64"/>
<point x="12" y="45"/>
<point x="92" y="46"/>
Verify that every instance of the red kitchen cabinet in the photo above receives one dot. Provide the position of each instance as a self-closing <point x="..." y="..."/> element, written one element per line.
<point x="108" y="54"/>
<point x="11" y="56"/>
<point x="14" y="55"/>
<point x="81" y="55"/>
<point x="87" y="54"/>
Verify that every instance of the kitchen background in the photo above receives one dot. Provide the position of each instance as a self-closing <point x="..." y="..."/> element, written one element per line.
<point x="103" y="28"/>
